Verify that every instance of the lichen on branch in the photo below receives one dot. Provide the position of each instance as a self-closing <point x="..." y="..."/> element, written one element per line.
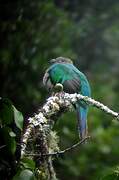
<point x="55" y="104"/>
<point x="41" y="124"/>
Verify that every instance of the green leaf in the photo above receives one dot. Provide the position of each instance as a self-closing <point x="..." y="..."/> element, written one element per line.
<point x="18" y="117"/>
<point x="8" y="140"/>
<point x="6" y="111"/>
<point x="28" y="163"/>
<point x="12" y="134"/>
<point x="24" y="175"/>
<point x="113" y="176"/>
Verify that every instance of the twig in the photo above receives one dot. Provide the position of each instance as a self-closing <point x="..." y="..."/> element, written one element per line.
<point x="63" y="151"/>
<point x="1" y="147"/>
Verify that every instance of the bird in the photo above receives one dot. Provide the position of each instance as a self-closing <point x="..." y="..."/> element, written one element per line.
<point x="62" y="71"/>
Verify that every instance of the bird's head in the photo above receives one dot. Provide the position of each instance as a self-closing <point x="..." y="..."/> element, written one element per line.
<point x="61" y="60"/>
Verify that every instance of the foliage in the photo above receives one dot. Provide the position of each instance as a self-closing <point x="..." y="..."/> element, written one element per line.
<point x="25" y="175"/>
<point x="11" y="124"/>
<point x="33" y="32"/>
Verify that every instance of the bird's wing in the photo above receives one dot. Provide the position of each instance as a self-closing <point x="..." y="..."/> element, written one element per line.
<point x="72" y="85"/>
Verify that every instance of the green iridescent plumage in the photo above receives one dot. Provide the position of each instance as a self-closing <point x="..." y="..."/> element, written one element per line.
<point x="64" y="72"/>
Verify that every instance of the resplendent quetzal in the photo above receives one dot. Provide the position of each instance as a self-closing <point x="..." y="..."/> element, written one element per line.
<point x="64" y="72"/>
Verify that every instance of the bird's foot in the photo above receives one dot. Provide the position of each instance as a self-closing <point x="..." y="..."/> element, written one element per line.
<point x="58" y="90"/>
<point x="59" y="93"/>
<point x="58" y="87"/>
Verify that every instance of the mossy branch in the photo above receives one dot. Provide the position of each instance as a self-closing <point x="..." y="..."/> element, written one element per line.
<point x="53" y="105"/>
<point x="42" y="122"/>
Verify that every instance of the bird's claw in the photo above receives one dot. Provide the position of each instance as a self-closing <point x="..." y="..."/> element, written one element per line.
<point x="58" y="93"/>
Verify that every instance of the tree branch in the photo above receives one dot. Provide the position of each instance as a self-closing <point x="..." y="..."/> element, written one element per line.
<point x="54" y="105"/>
<point x="62" y="151"/>
<point x="73" y="98"/>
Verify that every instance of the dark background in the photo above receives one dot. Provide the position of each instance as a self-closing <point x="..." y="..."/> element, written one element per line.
<point x="87" y="31"/>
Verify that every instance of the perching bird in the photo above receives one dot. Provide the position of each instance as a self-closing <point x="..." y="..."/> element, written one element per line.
<point x="64" y="72"/>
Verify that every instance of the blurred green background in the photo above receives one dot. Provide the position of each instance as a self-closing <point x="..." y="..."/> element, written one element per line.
<point x="87" y="31"/>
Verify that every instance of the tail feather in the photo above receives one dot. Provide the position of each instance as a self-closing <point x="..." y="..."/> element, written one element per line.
<point x="82" y="121"/>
